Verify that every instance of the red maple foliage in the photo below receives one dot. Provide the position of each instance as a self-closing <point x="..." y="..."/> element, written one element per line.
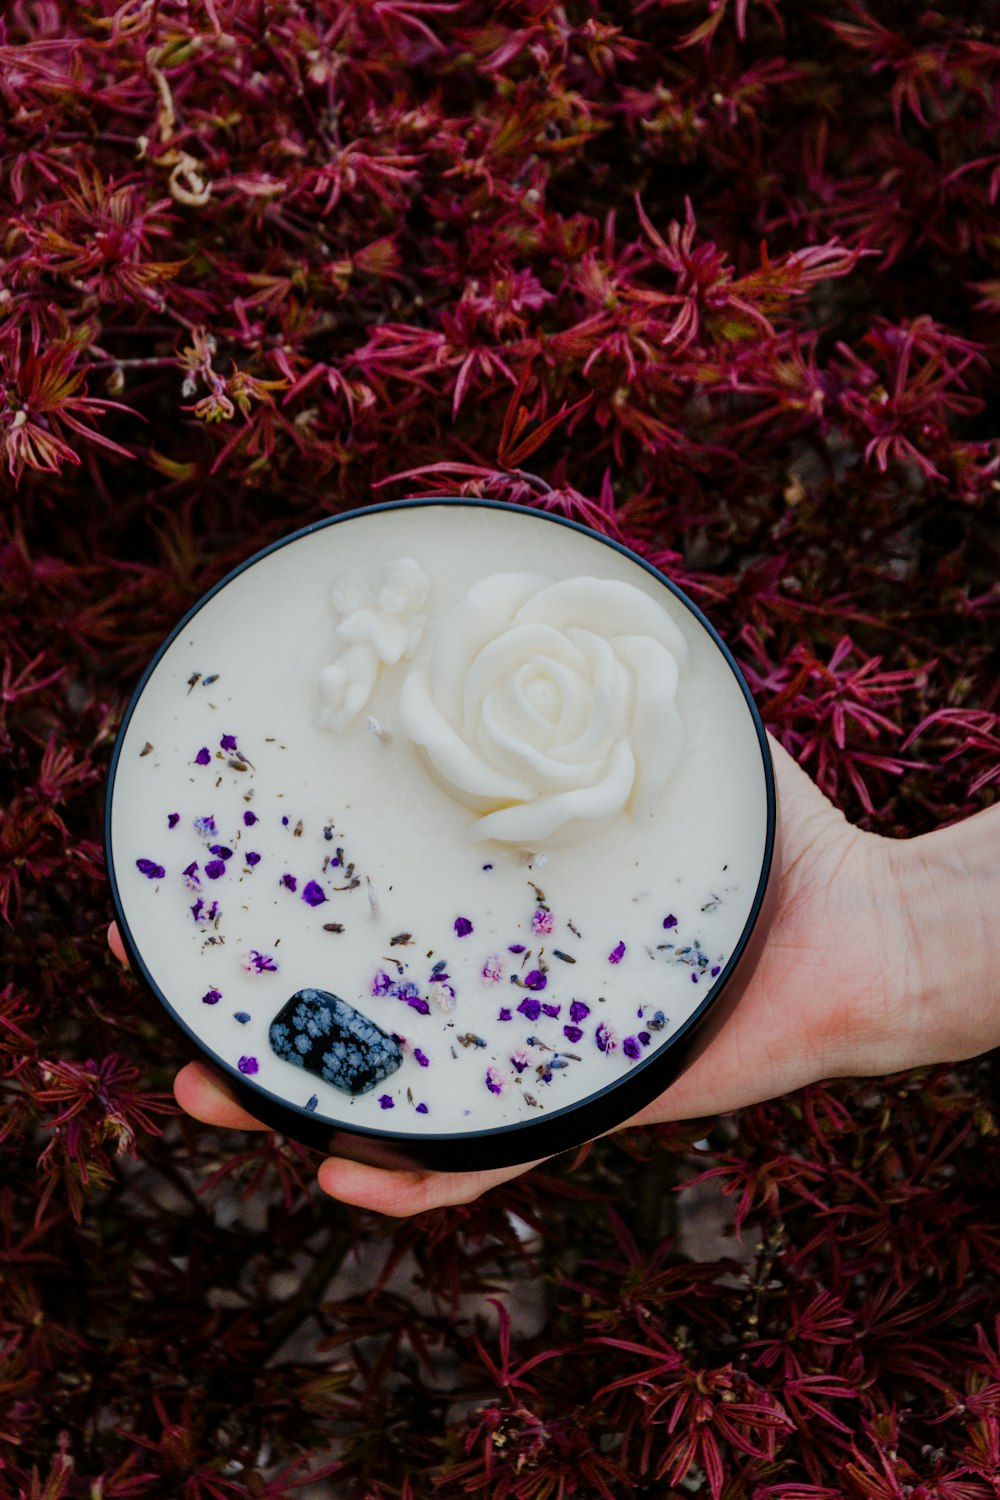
<point x="716" y="277"/>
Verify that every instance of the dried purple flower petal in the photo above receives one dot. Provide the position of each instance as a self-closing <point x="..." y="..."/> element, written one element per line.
<point x="211" y="997"/>
<point x="252" y="858"/>
<point x="715" y="970"/>
<point x="220" y="850"/>
<point x="670" y="921"/>
<point x="572" y="1033"/>
<point x="381" y="983"/>
<point x="463" y="927"/>
<point x="215" y="868"/>
<point x="204" y="756"/>
<point x="173" y="819"/>
<point x="605" y="1038"/>
<point x="421" y="1109"/>
<point x="289" y="882"/>
<point x="443" y="995"/>
<point x="516" y="948"/>
<point x="551" y="1010"/>
<point x="492" y="970"/>
<point x="617" y="954"/>
<point x="150" y="869"/>
<point x="406" y="990"/>
<point x="228" y="742"/>
<point x="421" y="1057"/>
<point x="496" y="1081"/>
<point x="631" y="1048"/>
<point x="578" y="1010"/>
<point x="386" y="1101"/>
<point x="250" y="818"/>
<point x="505" y="1014"/>
<point x="314" y="894"/>
<point x="535" y="980"/>
<point x="530" y="1008"/>
<point x="645" y="1038"/>
<point x="206" y="826"/>
<point x="260" y="963"/>
<point x="542" y="922"/>
<point x="248" y="1065"/>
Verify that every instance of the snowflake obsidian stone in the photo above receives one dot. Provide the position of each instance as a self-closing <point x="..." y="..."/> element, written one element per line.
<point x="324" y="1035"/>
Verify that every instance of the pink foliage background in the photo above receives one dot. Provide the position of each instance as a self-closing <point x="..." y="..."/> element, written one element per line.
<point x="720" y="279"/>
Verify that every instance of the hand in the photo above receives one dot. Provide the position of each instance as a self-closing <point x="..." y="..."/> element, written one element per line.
<point x="878" y="959"/>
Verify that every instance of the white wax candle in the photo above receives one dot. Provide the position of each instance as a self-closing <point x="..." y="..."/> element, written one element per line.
<point x="480" y="776"/>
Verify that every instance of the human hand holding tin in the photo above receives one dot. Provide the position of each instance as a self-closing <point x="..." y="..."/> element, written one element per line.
<point x="445" y="832"/>
<point x="881" y="956"/>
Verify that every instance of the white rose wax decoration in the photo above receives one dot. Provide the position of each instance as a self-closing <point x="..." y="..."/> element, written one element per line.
<point x="549" y="707"/>
<point x="445" y="831"/>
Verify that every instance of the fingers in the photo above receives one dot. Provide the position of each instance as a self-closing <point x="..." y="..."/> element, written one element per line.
<point x="401" y="1194"/>
<point x="198" y="1089"/>
<point x="115" y="943"/>
<point x="201" y="1093"/>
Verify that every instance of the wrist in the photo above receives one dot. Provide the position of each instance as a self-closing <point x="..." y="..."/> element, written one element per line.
<point x="945" y="887"/>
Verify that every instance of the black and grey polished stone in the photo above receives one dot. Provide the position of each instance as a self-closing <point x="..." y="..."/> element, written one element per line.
<point x="321" y="1033"/>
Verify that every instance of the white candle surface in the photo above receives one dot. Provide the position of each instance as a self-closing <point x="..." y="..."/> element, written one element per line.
<point x="476" y="774"/>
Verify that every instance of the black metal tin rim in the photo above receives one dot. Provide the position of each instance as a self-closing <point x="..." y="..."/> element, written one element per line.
<point x="504" y="1145"/>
